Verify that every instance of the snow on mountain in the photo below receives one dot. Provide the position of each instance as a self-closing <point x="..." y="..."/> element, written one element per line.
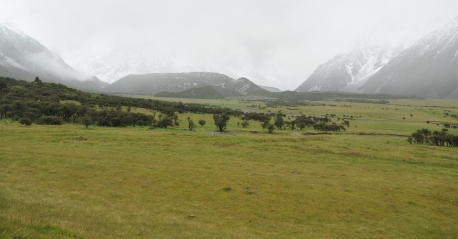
<point x="25" y="58"/>
<point x="347" y="72"/>
<point x="378" y="46"/>
<point x="428" y="68"/>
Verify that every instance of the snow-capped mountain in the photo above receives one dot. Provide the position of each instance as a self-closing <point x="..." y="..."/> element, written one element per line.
<point x="112" y="63"/>
<point x="176" y="82"/>
<point x="428" y="68"/>
<point x="347" y="72"/>
<point x="25" y="58"/>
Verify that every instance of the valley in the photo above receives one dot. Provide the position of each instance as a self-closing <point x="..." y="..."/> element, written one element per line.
<point x="69" y="181"/>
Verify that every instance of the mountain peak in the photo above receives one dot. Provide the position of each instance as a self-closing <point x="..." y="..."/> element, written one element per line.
<point x="23" y="57"/>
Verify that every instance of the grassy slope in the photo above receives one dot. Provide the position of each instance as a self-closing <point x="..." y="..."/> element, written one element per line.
<point x="136" y="183"/>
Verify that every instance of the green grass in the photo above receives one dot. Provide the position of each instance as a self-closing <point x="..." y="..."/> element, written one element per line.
<point x="72" y="182"/>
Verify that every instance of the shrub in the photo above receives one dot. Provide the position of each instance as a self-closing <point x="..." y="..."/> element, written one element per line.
<point x="50" y="120"/>
<point x="25" y="121"/>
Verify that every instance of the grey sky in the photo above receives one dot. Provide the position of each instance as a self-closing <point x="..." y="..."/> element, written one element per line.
<point x="292" y="37"/>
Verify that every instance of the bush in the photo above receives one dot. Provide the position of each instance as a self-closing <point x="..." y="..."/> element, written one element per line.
<point x="25" y="121"/>
<point x="50" y="120"/>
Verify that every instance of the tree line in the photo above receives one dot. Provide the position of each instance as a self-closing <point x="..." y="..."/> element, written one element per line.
<point x="437" y="138"/>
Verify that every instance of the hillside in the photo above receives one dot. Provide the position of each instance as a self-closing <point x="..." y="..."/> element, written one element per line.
<point x="205" y="92"/>
<point x="23" y="57"/>
<point x="427" y="69"/>
<point x="152" y="84"/>
<point x="346" y="72"/>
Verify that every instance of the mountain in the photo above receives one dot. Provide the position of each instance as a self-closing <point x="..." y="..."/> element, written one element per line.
<point x="429" y="68"/>
<point x="205" y="92"/>
<point x="270" y="89"/>
<point x="113" y="62"/>
<point x="175" y="82"/>
<point x="347" y="72"/>
<point x="25" y="58"/>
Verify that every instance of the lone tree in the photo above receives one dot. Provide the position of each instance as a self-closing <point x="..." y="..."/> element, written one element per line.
<point x="202" y="122"/>
<point x="271" y="128"/>
<point x="221" y="121"/>
<point x="191" y="124"/>
<point x="86" y="120"/>
<point x="37" y="80"/>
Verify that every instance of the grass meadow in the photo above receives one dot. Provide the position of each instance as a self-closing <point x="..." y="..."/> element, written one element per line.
<point x="367" y="182"/>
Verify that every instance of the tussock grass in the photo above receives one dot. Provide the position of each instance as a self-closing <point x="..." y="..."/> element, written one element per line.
<point x="141" y="183"/>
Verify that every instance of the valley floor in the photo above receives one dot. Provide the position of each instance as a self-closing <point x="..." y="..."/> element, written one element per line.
<point x="71" y="182"/>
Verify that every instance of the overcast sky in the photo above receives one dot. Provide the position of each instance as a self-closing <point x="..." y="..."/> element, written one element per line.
<point x="294" y="37"/>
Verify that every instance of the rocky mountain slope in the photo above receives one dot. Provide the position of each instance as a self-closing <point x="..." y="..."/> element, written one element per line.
<point x="23" y="57"/>
<point x="176" y="82"/>
<point x="429" y="68"/>
<point x="347" y="72"/>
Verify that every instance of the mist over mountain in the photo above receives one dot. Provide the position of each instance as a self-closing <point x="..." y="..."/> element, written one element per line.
<point x="112" y="63"/>
<point x="429" y="68"/>
<point x="152" y="84"/>
<point x="347" y="72"/>
<point x="426" y="67"/>
<point x="23" y="57"/>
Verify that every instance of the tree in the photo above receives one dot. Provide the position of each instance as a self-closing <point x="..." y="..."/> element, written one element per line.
<point x="265" y="124"/>
<point x="86" y="120"/>
<point x="245" y="124"/>
<point x="221" y="121"/>
<point x="202" y="122"/>
<point x="191" y="124"/>
<point x="279" y="122"/>
<point x="271" y="128"/>
<point x="37" y="80"/>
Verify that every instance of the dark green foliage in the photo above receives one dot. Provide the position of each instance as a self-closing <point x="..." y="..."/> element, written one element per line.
<point x="191" y="124"/>
<point x="86" y="120"/>
<point x="425" y="136"/>
<point x="34" y="100"/>
<point x="245" y="124"/>
<point x="50" y="120"/>
<point x="164" y="122"/>
<point x="261" y="117"/>
<point x="328" y="127"/>
<point x="270" y="128"/>
<point x="265" y="124"/>
<point x="221" y="121"/>
<point x="202" y="122"/>
<point x="3" y="86"/>
<point x="304" y="121"/>
<point x="279" y="122"/>
<point x="25" y="121"/>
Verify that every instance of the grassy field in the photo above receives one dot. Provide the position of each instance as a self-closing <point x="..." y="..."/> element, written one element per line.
<point x="71" y="182"/>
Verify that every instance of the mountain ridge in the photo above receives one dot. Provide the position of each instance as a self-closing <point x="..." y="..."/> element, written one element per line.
<point x="154" y="83"/>
<point x="23" y="57"/>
